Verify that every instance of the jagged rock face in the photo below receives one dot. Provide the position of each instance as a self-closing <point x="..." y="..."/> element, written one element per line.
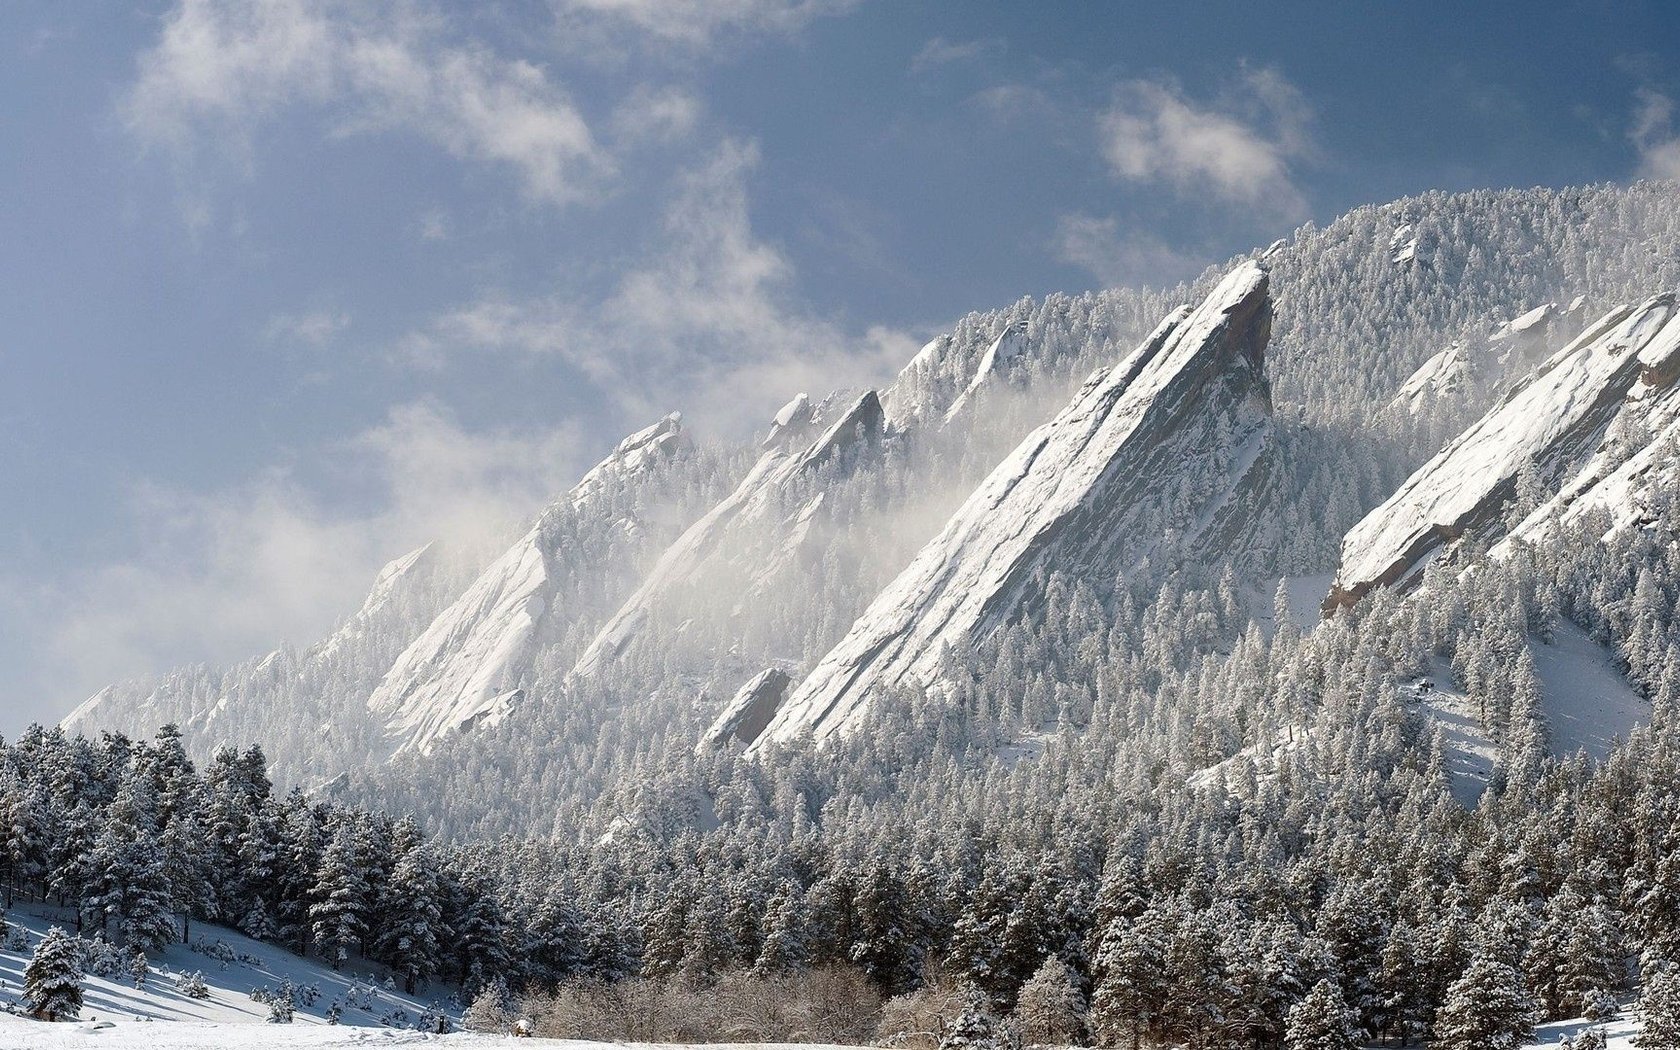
<point x="1485" y="367"/>
<point x="999" y="357"/>
<point x="716" y="540"/>
<point x="793" y="417"/>
<point x="1403" y="245"/>
<point x="395" y="575"/>
<point x="1553" y="421"/>
<point x="1450" y="375"/>
<point x="750" y="710"/>
<point x="414" y="579"/>
<point x="1631" y="474"/>
<point x="1164" y="444"/>
<point x="468" y="666"/>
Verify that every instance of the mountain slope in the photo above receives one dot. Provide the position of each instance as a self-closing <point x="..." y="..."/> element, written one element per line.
<point x="469" y="665"/>
<point x="1547" y="426"/>
<point x="723" y="539"/>
<point x="1160" y="444"/>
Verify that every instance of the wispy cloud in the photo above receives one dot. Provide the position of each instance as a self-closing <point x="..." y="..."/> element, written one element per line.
<point x="315" y="328"/>
<point x="1240" y="148"/>
<point x="434" y="225"/>
<point x="941" y="52"/>
<point x="1118" y="257"/>
<point x="706" y="321"/>
<point x="1015" y="101"/>
<point x="1654" y="137"/>
<point x="656" y="114"/>
<point x="699" y="24"/>
<point x="221" y="66"/>
<point x="227" y="574"/>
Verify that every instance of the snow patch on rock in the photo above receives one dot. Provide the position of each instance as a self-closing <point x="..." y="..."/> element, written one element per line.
<point x="468" y="667"/>
<point x="753" y="499"/>
<point x="1552" y="421"/>
<point x="1185" y="414"/>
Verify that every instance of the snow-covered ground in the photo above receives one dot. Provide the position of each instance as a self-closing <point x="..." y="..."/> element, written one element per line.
<point x="1587" y="703"/>
<point x="19" y="1034"/>
<point x="1620" y="1032"/>
<point x="359" y="990"/>
<point x="1305" y="596"/>
<point x="1469" y="752"/>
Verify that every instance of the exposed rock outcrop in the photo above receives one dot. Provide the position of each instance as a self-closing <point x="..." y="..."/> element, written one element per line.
<point x="1160" y="449"/>
<point x="467" y="668"/>
<point x="750" y="710"/>
<point x="1552" y="425"/>
<point x="860" y="421"/>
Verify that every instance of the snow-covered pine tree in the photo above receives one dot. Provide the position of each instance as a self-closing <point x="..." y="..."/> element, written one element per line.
<point x="52" y="982"/>
<point x="1131" y="982"/>
<point x="1323" y="1021"/>
<point x="977" y="1027"/>
<point x="887" y="942"/>
<point x="186" y="864"/>
<point x="341" y="897"/>
<point x="1050" y="1008"/>
<point x="1487" y="1008"/>
<point x="409" y="941"/>
<point x="1659" y="1010"/>
<point x="1590" y="1039"/>
<point x="126" y="882"/>
<point x="784" y="936"/>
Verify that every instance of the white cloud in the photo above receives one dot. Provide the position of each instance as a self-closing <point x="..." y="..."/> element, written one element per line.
<point x="221" y="66"/>
<point x="434" y="225"/>
<point x="317" y="328"/>
<point x="940" y="52"/>
<point x="702" y="23"/>
<point x="705" y="322"/>
<point x="653" y="114"/>
<point x="1241" y="149"/>
<point x="1120" y="258"/>
<point x="1653" y="136"/>
<point x="1014" y="101"/>
<point x="225" y="575"/>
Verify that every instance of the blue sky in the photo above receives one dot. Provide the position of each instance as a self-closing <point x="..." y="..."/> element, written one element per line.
<point x="286" y="289"/>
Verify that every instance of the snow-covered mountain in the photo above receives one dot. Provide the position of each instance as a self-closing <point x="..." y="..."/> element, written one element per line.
<point x="1471" y="369"/>
<point x="1159" y="450"/>
<point x="1547" y="435"/>
<point x="635" y="613"/>
<point x="470" y="664"/>
<point x="729" y="542"/>
<point x="1005" y="350"/>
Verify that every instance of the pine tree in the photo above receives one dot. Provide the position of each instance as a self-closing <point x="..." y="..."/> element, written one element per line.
<point x="1487" y="1008"/>
<point x="478" y="927"/>
<point x="784" y="936"/>
<point x="977" y="1027"/>
<point x="186" y="863"/>
<point x="125" y="877"/>
<point x="1132" y="984"/>
<point x="52" y="982"/>
<point x="409" y="941"/>
<point x="1323" y="1021"/>
<point x="1659" y="1010"/>
<point x="341" y="896"/>
<point x="1049" y="1008"/>
<point x="886" y="947"/>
